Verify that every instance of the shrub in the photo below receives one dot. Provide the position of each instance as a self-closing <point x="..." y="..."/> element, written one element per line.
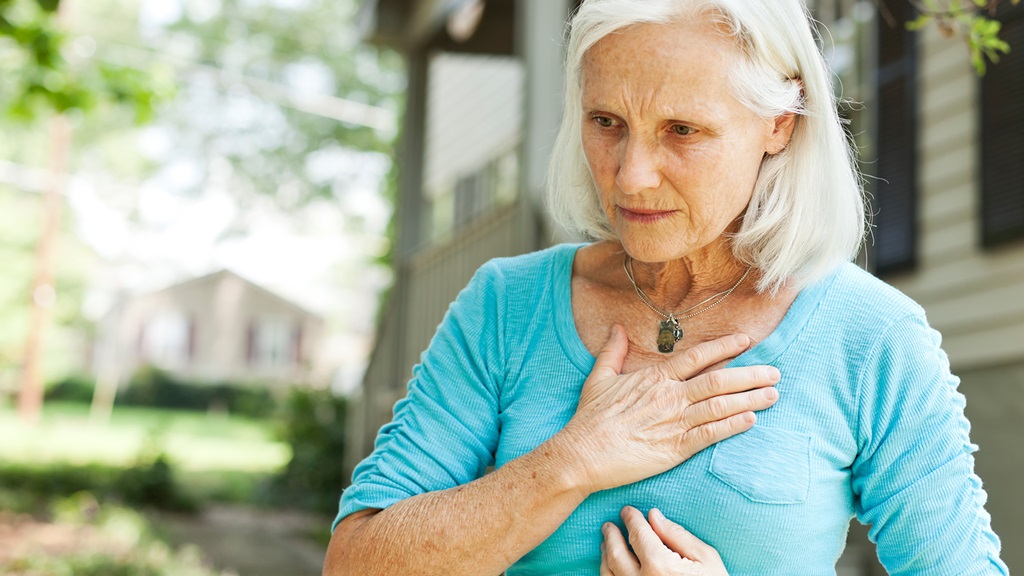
<point x="151" y="386"/>
<point x="314" y="427"/>
<point x="150" y="483"/>
<point x="76" y="388"/>
<point x="104" y="553"/>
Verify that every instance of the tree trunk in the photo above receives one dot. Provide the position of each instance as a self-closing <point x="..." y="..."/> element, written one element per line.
<point x="44" y="294"/>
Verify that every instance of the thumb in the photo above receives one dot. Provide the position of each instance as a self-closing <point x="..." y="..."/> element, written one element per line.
<point x="678" y="539"/>
<point x="612" y="355"/>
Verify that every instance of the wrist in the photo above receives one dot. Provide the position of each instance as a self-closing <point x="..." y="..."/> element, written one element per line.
<point x="560" y="457"/>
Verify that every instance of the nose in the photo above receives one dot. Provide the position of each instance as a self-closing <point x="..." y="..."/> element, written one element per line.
<point x="638" y="167"/>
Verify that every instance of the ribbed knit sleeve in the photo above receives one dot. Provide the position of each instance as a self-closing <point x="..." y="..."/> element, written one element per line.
<point x="444" y="432"/>
<point x="913" y="477"/>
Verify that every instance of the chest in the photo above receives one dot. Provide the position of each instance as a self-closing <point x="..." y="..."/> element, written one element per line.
<point x="595" y="309"/>
<point x="760" y="498"/>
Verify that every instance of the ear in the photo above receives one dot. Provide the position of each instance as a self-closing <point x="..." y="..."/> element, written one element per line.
<point x="781" y="134"/>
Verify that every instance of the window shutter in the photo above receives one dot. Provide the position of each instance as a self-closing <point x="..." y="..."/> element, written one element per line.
<point x="250" y="343"/>
<point x="895" y="191"/>
<point x="1002" y="142"/>
<point x="297" y="343"/>
<point x="191" y="342"/>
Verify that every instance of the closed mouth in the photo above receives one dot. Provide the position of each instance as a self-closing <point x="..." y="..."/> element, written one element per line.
<point x="644" y="214"/>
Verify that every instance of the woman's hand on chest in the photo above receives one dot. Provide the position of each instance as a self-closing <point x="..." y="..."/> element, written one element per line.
<point x="628" y="427"/>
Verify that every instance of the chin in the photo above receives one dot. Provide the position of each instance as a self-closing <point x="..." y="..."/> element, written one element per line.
<point x="651" y="249"/>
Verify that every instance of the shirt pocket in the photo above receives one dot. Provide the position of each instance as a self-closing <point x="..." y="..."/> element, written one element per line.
<point x="766" y="465"/>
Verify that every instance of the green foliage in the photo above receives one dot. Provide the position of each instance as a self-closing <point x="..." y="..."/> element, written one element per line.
<point x="975" y="21"/>
<point x="39" y="77"/>
<point x="314" y="427"/>
<point x="72" y="388"/>
<point x="122" y="543"/>
<point x="251" y="66"/>
<point x="149" y="483"/>
<point x="151" y="386"/>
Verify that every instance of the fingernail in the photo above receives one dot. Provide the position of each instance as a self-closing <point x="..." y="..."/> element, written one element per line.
<point x="657" y="515"/>
<point x="773" y="374"/>
<point x="740" y="339"/>
<point x="770" y="393"/>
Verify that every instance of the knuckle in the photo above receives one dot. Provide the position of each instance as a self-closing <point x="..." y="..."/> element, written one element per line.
<point x="717" y="407"/>
<point x="697" y="355"/>
<point x="716" y="380"/>
<point x="657" y="373"/>
<point x="618" y="557"/>
<point x="705" y="434"/>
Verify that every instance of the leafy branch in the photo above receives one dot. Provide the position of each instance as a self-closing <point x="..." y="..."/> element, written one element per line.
<point x="39" y="76"/>
<point x="974" y="20"/>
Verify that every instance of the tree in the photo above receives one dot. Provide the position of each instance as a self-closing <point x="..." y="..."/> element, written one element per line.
<point x="44" y="81"/>
<point x="282" y="94"/>
<point x="973" y="20"/>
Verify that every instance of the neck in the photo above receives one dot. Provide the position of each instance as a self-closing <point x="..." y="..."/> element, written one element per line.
<point x="676" y="284"/>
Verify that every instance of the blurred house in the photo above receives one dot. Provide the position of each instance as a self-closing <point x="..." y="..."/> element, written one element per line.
<point x="216" y="328"/>
<point x="943" y="151"/>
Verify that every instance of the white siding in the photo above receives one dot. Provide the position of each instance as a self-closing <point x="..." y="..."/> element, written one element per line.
<point x="474" y="114"/>
<point x="974" y="297"/>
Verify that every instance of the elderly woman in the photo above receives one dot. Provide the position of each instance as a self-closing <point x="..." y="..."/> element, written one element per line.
<point x="614" y="385"/>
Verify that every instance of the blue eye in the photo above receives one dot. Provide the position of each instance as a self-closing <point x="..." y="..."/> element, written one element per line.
<point x="682" y="129"/>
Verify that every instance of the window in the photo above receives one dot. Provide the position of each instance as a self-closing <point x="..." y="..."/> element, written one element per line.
<point x="167" y="340"/>
<point x="273" y="342"/>
<point x="895" y="191"/>
<point x="1002" y="142"/>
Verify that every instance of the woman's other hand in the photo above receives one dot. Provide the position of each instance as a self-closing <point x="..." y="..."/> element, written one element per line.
<point x="628" y="427"/>
<point x="661" y="547"/>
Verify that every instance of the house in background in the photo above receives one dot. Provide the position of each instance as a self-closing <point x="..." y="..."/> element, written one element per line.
<point x="948" y="147"/>
<point x="216" y="328"/>
<point x="943" y="150"/>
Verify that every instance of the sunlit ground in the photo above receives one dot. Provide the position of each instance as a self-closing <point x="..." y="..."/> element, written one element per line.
<point x="193" y="442"/>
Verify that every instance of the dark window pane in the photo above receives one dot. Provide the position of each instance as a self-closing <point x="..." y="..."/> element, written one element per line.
<point x="1002" y="145"/>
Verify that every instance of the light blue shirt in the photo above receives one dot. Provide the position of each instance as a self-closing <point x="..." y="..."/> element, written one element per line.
<point x="868" y="423"/>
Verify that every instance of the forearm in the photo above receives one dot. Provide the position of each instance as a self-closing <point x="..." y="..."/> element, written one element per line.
<point x="481" y="527"/>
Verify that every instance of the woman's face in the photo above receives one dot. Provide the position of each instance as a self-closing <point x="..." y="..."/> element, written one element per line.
<point x="673" y="154"/>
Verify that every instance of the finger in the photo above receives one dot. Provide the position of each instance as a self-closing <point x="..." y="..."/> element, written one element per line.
<point x="705" y="354"/>
<point x="700" y="437"/>
<point x="606" y="570"/>
<point x="617" y="556"/>
<point x="646" y="544"/>
<point x="729" y="381"/>
<point x="612" y="355"/>
<point x="721" y="407"/>
<point x="679" y="539"/>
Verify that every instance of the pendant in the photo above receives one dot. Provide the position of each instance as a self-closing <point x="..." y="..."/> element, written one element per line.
<point x="669" y="332"/>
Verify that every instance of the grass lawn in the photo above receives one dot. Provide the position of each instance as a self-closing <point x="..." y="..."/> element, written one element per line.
<point x="196" y="443"/>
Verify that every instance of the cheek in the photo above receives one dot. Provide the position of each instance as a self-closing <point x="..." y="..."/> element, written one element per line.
<point x="600" y="160"/>
<point x="603" y="168"/>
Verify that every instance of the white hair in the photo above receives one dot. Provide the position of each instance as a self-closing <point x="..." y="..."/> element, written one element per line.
<point x="806" y="215"/>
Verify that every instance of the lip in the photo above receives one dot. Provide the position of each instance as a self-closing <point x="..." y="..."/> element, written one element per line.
<point x="644" y="215"/>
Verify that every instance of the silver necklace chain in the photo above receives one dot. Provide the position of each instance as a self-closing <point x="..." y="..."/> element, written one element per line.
<point x="627" y="265"/>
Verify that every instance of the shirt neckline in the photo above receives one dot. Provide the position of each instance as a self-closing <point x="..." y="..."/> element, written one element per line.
<point x="766" y="351"/>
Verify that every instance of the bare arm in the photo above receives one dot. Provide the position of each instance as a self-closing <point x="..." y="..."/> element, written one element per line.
<point x="626" y="428"/>
<point x="482" y="527"/>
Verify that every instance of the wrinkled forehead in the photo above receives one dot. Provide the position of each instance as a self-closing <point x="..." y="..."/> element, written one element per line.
<point x="675" y="52"/>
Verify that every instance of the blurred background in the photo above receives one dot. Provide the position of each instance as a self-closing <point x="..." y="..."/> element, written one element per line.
<point x="228" y="228"/>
